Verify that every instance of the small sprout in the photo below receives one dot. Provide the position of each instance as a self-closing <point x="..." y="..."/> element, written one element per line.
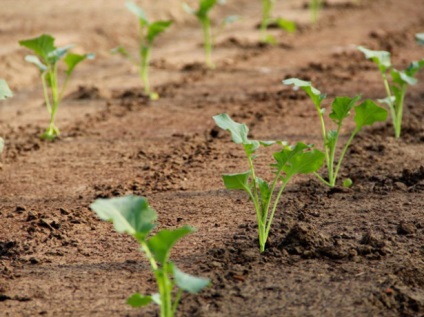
<point x="5" y="93"/>
<point x="202" y="14"/>
<point x="420" y="38"/>
<point x="395" y="93"/>
<point x="315" y="7"/>
<point x="46" y="59"/>
<point x="366" y="113"/>
<point x="134" y="216"/>
<point x="289" y="161"/>
<point x="149" y="31"/>
<point x="347" y="183"/>
<point x="267" y="8"/>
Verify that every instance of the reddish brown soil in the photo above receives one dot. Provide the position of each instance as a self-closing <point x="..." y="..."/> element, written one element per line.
<point x="332" y="252"/>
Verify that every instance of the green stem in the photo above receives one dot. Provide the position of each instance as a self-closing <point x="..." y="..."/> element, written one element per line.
<point x="315" y="6"/>
<point x="392" y="106"/>
<point x="322" y="179"/>
<point x="207" y="37"/>
<point x="46" y="93"/>
<point x="324" y="138"/>
<point x="331" y="173"/>
<point x="176" y="301"/>
<point x="399" y="112"/>
<point x="144" y="68"/>
<point x="339" y="163"/>
<point x="266" y="14"/>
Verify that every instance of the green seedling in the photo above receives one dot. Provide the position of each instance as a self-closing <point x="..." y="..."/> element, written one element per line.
<point x="46" y="59"/>
<point x="149" y="31"/>
<point x="315" y="7"/>
<point x="289" y="161"/>
<point x="5" y="93"/>
<point x="134" y="216"/>
<point x="420" y="38"/>
<point x="401" y="80"/>
<point x="267" y="19"/>
<point x="202" y="14"/>
<point x="366" y="114"/>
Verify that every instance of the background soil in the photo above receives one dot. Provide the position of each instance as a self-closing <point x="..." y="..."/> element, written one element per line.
<point x="333" y="252"/>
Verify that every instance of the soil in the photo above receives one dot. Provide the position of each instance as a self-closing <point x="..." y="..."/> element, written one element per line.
<point x="332" y="252"/>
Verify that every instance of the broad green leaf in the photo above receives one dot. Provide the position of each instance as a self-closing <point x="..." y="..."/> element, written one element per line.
<point x="162" y="242"/>
<point x="402" y="78"/>
<point x="58" y="53"/>
<point x="238" y="131"/>
<point x="420" y="38"/>
<point x="1" y="145"/>
<point x="286" y="25"/>
<point x="189" y="283"/>
<point x="367" y="113"/>
<point x="139" y="12"/>
<point x="204" y="8"/>
<point x="251" y="147"/>
<point x="5" y="91"/>
<point x="381" y="58"/>
<point x="130" y="214"/>
<point x="304" y="163"/>
<point x="286" y="154"/>
<point x="341" y="107"/>
<point x="414" y="67"/>
<point x="237" y="181"/>
<point x="42" y="45"/>
<point x="36" y="61"/>
<point x="312" y="92"/>
<point x="138" y="300"/>
<point x="72" y="60"/>
<point x="156" y="28"/>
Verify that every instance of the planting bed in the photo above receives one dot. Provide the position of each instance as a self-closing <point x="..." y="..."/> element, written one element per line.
<point x="332" y="252"/>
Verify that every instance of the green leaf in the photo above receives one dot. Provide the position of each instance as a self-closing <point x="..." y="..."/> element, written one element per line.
<point x="42" y="46"/>
<point x="36" y="61"/>
<point x="156" y="28"/>
<point x="331" y="139"/>
<point x="420" y="38"/>
<point x="161" y="243"/>
<point x="5" y="91"/>
<point x="130" y="214"/>
<point x="189" y="283"/>
<point x="312" y="92"/>
<point x="286" y="25"/>
<point x="137" y="300"/>
<point x="238" y="131"/>
<point x="304" y="163"/>
<point x="414" y="67"/>
<point x="1" y="145"/>
<point x="264" y="190"/>
<point x="402" y="78"/>
<point x="156" y="299"/>
<point x="204" y="8"/>
<point x="381" y="58"/>
<point x="287" y="153"/>
<point x="237" y="181"/>
<point x="139" y="12"/>
<point x="388" y="101"/>
<point x="341" y="107"/>
<point x="367" y="113"/>
<point x="58" y="53"/>
<point x="72" y="60"/>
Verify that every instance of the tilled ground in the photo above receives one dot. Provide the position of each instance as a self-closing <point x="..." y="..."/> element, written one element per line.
<point x="332" y="252"/>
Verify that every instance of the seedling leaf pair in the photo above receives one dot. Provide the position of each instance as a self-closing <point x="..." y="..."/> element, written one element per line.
<point x="46" y="59"/>
<point x="289" y="161"/>
<point x="395" y="93"/>
<point x="366" y="113"/>
<point x="267" y="8"/>
<point x="134" y="216"/>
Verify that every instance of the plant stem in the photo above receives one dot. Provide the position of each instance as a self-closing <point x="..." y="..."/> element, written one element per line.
<point x="176" y="301"/>
<point x="144" y="68"/>
<point x="324" y="138"/>
<point x="207" y="37"/>
<point x="339" y="163"/>
<point x="46" y="93"/>
<point x="332" y="176"/>
<point x="392" y="105"/>
<point x="399" y="112"/>
<point x="266" y="14"/>
<point x="315" y="6"/>
<point x="322" y="179"/>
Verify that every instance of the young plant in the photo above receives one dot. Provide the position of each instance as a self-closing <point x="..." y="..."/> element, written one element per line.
<point x="267" y="8"/>
<point x="315" y="7"/>
<point x="134" y="216"/>
<point x="46" y="58"/>
<point x="289" y="161"/>
<point x="401" y="80"/>
<point x="366" y="113"/>
<point x="5" y="93"/>
<point x="420" y="38"/>
<point x="149" y="31"/>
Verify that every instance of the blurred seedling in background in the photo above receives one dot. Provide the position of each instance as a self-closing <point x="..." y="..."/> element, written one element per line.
<point x="315" y="7"/>
<point x="5" y="93"/>
<point x="46" y="58"/>
<point x="134" y="216"/>
<point x="203" y="15"/>
<point x="289" y="161"/>
<point x="149" y="31"/>
<point x="401" y="80"/>
<point x="420" y="38"/>
<point x="267" y="20"/>
<point x="366" y="113"/>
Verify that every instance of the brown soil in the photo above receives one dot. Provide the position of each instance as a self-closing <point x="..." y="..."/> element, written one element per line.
<point x="332" y="252"/>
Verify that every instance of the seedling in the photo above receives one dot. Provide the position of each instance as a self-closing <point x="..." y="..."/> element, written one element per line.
<point x="289" y="161"/>
<point x="400" y="81"/>
<point x="267" y="8"/>
<point x="202" y="14"/>
<point x="366" y="113"/>
<point x="134" y="216"/>
<point x="149" y="31"/>
<point x="420" y="38"/>
<point x="5" y="93"/>
<point x="46" y="58"/>
<point x="315" y="7"/>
